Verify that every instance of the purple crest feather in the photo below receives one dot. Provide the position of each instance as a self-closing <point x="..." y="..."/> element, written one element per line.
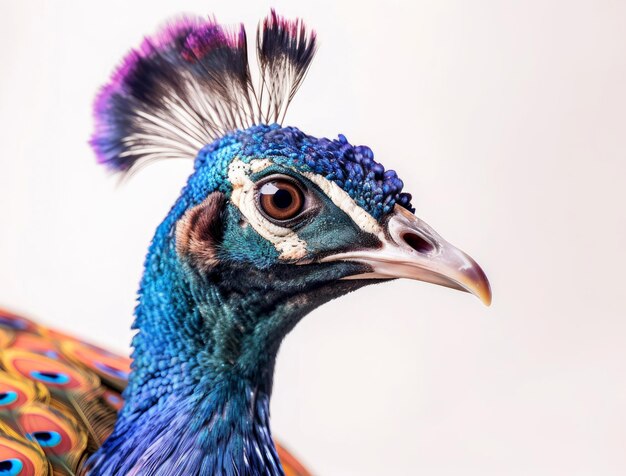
<point x="190" y="84"/>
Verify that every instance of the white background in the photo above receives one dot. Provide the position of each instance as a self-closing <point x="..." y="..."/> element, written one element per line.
<point x="506" y="120"/>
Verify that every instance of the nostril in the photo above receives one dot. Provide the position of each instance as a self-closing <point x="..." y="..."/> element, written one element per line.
<point x="418" y="243"/>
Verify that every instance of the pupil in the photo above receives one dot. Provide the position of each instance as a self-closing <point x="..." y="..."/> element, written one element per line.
<point x="42" y="436"/>
<point x="282" y="199"/>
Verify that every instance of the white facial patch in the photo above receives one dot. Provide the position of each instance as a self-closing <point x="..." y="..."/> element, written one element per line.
<point x="285" y="240"/>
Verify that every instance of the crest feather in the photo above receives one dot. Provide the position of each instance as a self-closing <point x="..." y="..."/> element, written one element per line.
<point x="190" y="84"/>
<point x="285" y="50"/>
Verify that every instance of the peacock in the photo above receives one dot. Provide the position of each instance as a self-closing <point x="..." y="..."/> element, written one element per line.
<point x="271" y="224"/>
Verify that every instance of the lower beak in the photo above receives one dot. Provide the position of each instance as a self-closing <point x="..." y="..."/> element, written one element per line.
<point x="412" y="249"/>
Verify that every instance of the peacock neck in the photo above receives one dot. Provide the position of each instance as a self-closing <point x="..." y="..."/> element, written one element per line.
<point x="194" y="334"/>
<point x="221" y="429"/>
<point x="198" y="395"/>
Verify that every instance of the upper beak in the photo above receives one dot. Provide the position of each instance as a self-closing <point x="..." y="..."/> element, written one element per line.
<point x="412" y="249"/>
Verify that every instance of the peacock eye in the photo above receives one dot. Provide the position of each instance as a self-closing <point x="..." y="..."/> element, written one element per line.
<point x="7" y="398"/>
<point x="281" y="199"/>
<point x="47" y="439"/>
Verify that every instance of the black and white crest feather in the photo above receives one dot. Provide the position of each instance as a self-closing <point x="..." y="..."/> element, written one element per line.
<point x="285" y="51"/>
<point x="190" y="84"/>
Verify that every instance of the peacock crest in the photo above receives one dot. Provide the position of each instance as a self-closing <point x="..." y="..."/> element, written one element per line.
<point x="190" y="84"/>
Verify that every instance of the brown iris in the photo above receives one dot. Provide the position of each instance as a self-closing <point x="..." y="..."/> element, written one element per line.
<point x="281" y="199"/>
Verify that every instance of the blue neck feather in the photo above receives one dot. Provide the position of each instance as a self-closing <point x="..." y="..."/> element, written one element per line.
<point x="198" y="397"/>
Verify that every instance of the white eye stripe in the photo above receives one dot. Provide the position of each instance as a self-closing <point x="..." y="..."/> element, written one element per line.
<point x="345" y="203"/>
<point x="285" y="240"/>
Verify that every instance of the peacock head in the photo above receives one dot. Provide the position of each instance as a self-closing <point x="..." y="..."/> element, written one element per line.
<point x="277" y="200"/>
<point x="267" y="208"/>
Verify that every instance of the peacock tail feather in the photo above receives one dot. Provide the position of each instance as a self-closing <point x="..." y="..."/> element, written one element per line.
<point x="20" y="456"/>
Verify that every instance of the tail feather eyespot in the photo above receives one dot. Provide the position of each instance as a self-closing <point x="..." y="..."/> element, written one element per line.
<point x="56" y="433"/>
<point x="16" y="392"/>
<point x="37" y="344"/>
<point x="20" y="457"/>
<point x="18" y="323"/>
<point x="54" y="374"/>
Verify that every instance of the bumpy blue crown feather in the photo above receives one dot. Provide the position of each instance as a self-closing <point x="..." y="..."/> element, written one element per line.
<point x="352" y="168"/>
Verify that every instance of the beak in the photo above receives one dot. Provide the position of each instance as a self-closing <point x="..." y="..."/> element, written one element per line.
<point x="412" y="249"/>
